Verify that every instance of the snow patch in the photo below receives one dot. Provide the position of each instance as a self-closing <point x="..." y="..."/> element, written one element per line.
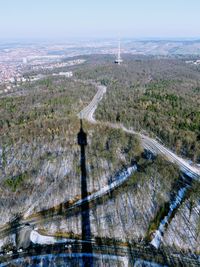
<point x="159" y="233"/>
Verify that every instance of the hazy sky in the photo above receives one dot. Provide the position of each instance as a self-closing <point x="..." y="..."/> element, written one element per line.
<point x="99" y="18"/>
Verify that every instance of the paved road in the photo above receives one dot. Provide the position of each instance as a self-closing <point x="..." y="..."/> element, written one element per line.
<point x="88" y="112"/>
<point x="148" y="143"/>
<point x="49" y="217"/>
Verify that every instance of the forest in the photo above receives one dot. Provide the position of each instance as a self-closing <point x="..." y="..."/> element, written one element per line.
<point x="159" y="97"/>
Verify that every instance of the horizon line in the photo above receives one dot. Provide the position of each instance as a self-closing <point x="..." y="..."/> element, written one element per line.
<point x="87" y="38"/>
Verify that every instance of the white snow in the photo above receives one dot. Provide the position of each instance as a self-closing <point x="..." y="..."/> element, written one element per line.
<point x="37" y="238"/>
<point x="140" y="263"/>
<point x="159" y="233"/>
<point x="104" y="190"/>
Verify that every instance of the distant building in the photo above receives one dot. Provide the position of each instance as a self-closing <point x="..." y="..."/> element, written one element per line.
<point x="66" y="74"/>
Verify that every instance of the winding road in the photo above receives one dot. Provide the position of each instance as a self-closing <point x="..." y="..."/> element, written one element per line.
<point x="148" y="143"/>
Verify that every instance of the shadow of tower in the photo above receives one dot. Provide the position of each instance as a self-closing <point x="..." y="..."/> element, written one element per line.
<point x="85" y="210"/>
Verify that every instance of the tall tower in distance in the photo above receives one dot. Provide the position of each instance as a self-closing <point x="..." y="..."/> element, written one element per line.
<point x="119" y="60"/>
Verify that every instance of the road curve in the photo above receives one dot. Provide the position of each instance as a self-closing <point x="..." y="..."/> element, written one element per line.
<point x="88" y="112"/>
<point x="148" y="143"/>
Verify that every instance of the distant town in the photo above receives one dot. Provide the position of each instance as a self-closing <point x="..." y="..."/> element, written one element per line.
<point x="18" y="59"/>
<point x="15" y="62"/>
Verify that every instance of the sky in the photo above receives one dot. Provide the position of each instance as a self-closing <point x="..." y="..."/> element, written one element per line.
<point x="63" y="19"/>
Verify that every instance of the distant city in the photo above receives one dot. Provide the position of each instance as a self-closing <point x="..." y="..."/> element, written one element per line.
<point x="16" y="58"/>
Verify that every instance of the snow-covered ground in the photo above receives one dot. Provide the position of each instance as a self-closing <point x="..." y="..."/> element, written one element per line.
<point x="140" y="263"/>
<point x="67" y="258"/>
<point x="121" y="178"/>
<point x="37" y="238"/>
<point x="159" y="233"/>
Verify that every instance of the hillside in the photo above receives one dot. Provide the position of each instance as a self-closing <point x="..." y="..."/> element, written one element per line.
<point x="154" y="95"/>
<point x="127" y="190"/>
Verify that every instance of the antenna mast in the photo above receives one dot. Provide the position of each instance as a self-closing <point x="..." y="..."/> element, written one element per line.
<point x="119" y="60"/>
